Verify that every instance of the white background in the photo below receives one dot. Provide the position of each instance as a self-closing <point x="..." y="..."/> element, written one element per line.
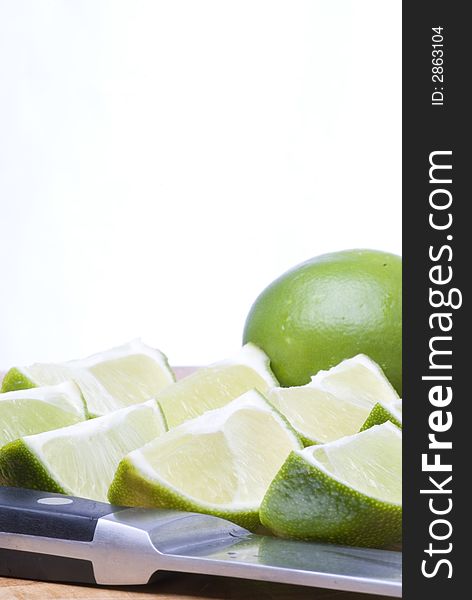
<point x="162" y="161"/>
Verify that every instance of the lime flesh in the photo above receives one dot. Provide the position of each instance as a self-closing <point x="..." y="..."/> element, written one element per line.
<point x="81" y="459"/>
<point x="26" y="412"/>
<point x="335" y="403"/>
<point x="317" y="416"/>
<point x="214" y="386"/>
<point x="219" y="463"/>
<point x="110" y="380"/>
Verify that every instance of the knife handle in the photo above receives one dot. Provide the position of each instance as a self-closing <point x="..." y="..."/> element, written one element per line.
<point x="37" y="515"/>
<point x="44" y="514"/>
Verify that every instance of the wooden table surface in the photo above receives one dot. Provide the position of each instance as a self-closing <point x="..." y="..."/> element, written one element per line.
<point x="172" y="587"/>
<point x="178" y="587"/>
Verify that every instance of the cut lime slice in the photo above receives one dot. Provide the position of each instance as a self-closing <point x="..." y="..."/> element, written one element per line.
<point x="359" y="380"/>
<point x="128" y="374"/>
<point x="220" y="463"/>
<point x="25" y="412"/>
<point x="348" y="491"/>
<point x="214" y="386"/>
<point x="80" y="460"/>
<point x="384" y="412"/>
<point x="335" y="403"/>
<point x="316" y="415"/>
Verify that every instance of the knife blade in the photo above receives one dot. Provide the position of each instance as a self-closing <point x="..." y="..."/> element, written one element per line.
<point x="54" y="537"/>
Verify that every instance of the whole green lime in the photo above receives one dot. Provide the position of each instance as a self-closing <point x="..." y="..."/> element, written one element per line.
<point x="330" y="308"/>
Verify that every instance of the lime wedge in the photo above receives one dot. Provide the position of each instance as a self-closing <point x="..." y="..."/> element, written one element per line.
<point x="384" y="412"/>
<point x="317" y="416"/>
<point x="81" y="459"/>
<point x="220" y="463"/>
<point x="109" y="380"/>
<point x="359" y="380"/>
<point x="348" y="491"/>
<point x="25" y="412"/>
<point x="214" y="386"/>
<point x="335" y="403"/>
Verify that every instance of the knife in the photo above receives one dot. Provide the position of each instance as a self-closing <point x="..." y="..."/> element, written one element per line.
<point x="54" y="537"/>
